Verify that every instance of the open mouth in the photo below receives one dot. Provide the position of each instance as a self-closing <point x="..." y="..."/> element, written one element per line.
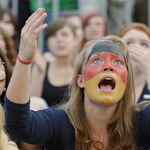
<point x="107" y="83"/>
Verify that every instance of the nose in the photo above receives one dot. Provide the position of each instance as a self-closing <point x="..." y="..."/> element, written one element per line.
<point x="59" y="38"/>
<point x="108" y="69"/>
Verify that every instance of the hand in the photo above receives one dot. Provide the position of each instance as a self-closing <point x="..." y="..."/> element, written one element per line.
<point x="142" y="56"/>
<point x="29" y="34"/>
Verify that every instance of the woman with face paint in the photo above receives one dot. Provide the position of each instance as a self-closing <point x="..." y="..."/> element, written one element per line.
<point x="100" y="113"/>
<point x="137" y="37"/>
<point x="5" y="75"/>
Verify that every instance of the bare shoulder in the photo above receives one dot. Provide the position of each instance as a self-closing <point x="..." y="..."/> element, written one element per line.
<point x="49" y="57"/>
<point x="11" y="147"/>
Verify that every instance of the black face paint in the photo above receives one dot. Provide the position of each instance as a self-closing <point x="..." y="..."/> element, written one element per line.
<point x="105" y="46"/>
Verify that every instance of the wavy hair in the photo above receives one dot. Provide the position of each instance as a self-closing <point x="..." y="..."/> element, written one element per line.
<point x="120" y="127"/>
<point x="11" y="52"/>
<point x="4" y="140"/>
<point x="8" y="70"/>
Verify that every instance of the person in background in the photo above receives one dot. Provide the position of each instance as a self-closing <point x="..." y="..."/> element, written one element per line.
<point x="8" y="46"/>
<point x="76" y="21"/>
<point x="137" y="37"/>
<point x="50" y="79"/>
<point x="5" y="75"/>
<point x="9" y="24"/>
<point x="100" y="112"/>
<point x="94" y="26"/>
<point x="63" y="6"/>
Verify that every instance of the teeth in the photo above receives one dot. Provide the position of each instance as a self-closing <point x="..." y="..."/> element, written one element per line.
<point x="108" y="79"/>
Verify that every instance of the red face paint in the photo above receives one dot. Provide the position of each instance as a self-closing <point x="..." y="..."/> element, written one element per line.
<point x="99" y="62"/>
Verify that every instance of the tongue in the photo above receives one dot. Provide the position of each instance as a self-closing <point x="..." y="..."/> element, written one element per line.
<point x="105" y="87"/>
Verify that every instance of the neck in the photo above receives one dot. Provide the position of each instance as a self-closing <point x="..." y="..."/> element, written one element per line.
<point x="139" y="80"/>
<point x="98" y="116"/>
<point x="62" y="62"/>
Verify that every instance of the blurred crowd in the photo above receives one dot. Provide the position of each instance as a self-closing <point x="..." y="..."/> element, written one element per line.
<point x="64" y="38"/>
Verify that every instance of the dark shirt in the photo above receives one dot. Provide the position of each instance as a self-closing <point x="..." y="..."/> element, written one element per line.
<point x="52" y="94"/>
<point x="52" y="129"/>
<point x="145" y="94"/>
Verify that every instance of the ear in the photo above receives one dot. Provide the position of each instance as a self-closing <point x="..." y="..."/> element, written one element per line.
<point x="80" y="81"/>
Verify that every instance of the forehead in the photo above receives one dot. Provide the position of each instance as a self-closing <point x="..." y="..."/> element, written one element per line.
<point x="6" y="17"/>
<point x="106" y="46"/>
<point x="74" y="19"/>
<point x="65" y="28"/>
<point x="96" y="19"/>
<point x="136" y="34"/>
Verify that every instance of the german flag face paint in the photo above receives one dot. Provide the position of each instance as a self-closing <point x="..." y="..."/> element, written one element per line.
<point x="105" y="73"/>
<point x="2" y="77"/>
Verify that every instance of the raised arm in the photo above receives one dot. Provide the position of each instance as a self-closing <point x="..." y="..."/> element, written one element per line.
<point x="18" y="90"/>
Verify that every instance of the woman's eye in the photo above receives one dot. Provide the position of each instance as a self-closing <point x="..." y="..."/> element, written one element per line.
<point x="118" y="62"/>
<point x="96" y="61"/>
<point x="98" y="24"/>
<point x="145" y="45"/>
<point x="128" y="43"/>
<point x="64" y="34"/>
<point x="53" y="36"/>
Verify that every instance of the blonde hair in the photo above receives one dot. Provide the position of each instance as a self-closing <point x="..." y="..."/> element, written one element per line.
<point x="4" y="140"/>
<point x="120" y="126"/>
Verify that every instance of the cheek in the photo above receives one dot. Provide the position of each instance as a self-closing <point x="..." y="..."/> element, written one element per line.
<point x="2" y="73"/>
<point x="3" y="44"/>
<point x="9" y="29"/>
<point x="50" y="43"/>
<point x="87" y="30"/>
<point x="91" y="71"/>
<point x="70" y="41"/>
<point x="122" y="72"/>
<point x="2" y="80"/>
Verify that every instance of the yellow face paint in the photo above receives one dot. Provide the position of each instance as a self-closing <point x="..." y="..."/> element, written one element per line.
<point x="2" y="82"/>
<point x="105" y="96"/>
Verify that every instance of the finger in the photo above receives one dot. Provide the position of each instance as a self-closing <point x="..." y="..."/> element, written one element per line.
<point x="140" y="57"/>
<point x="37" y="23"/>
<point x="135" y="51"/>
<point x="32" y="19"/>
<point x="36" y="32"/>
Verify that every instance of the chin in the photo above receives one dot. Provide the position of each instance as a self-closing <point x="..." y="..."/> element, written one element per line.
<point x="107" y="101"/>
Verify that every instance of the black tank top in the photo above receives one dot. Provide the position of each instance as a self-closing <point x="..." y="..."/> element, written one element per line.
<point x="52" y="94"/>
